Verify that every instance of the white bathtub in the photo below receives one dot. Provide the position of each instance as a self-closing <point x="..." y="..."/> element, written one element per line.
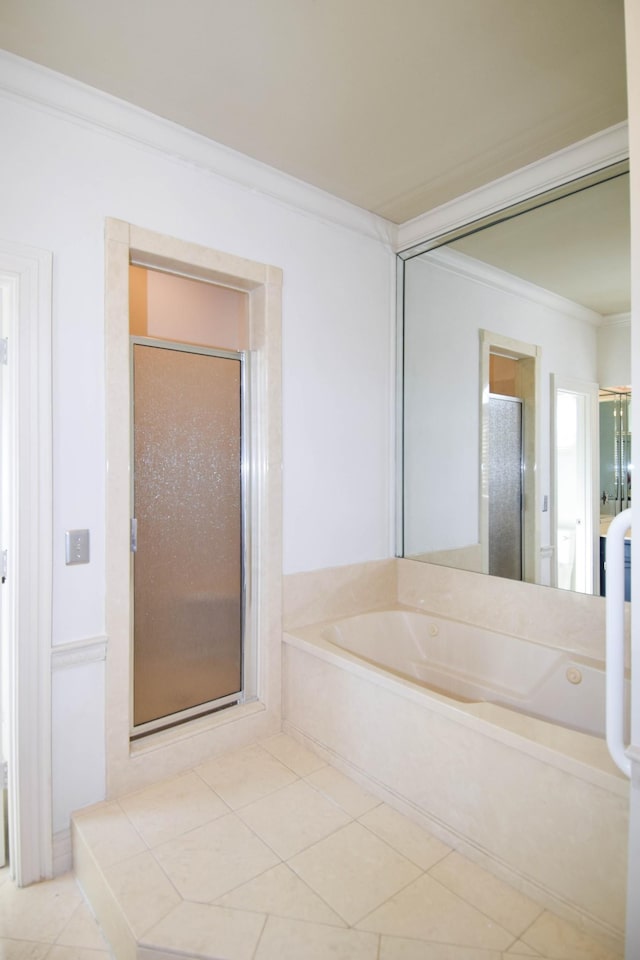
<point x="539" y="803"/>
<point x="472" y="664"/>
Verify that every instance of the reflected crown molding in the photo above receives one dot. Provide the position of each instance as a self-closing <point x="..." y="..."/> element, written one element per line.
<point x="600" y="150"/>
<point x="463" y="265"/>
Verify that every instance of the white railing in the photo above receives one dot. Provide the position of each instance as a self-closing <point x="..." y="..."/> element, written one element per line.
<point x="615" y="632"/>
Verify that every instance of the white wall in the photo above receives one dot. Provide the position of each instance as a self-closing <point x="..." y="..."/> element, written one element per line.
<point x="59" y="179"/>
<point x="614" y="352"/>
<point x="447" y="309"/>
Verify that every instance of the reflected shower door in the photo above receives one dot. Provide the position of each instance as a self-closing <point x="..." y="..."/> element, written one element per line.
<point x="505" y="487"/>
<point x="188" y="568"/>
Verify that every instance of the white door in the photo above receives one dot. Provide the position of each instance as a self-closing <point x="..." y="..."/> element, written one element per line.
<point x="575" y="463"/>
<point x="4" y="606"/>
<point x="26" y="534"/>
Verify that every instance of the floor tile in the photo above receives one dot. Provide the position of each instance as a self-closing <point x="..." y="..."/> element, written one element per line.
<point x="142" y="890"/>
<point x="405" y="836"/>
<point x="343" y="791"/>
<point x="169" y="809"/>
<point x="426" y="910"/>
<point x="208" y="862"/>
<point x="293" y="818"/>
<point x="61" y="952"/>
<point x="354" y="871"/>
<point x="395" y="948"/>
<point x="207" y="931"/>
<point x="280" y="892"/>
<point x="109" y="833"/>
<point x="296" y="940"/>
<point x="292" y="754"/>
<point x="246" y="775"/>
<point x="82" y="930"/>
<point x="511" y="909"/>
<point x="38" y="912"/>
<point x="23" y="950"/>
<point x="520" y="951"/>
<point x="558" y="940"/>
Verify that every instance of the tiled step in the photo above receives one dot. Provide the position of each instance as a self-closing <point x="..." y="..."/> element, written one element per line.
<point x="268" y="853"/>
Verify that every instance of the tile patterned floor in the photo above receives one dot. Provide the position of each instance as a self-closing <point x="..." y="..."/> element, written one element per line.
<point x="269" y="854"/>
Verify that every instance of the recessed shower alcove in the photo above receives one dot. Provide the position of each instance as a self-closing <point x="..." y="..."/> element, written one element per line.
<point x="254" y="708"/>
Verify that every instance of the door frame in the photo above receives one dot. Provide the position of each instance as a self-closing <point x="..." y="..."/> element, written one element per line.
<point x="247" y="690"/>
<point x="134" y="764"/>
<point x="25" y="285"/>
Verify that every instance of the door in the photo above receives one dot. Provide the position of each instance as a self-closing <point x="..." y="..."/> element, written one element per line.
<point x="5" y="624"/>
<point x="188" y="537"/>
<point x="505" y="487"/>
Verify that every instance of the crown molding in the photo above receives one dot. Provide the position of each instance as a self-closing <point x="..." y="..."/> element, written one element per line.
<point x="578" y="160"/>
<point x="79" y="103"/>
<point x="616" y="320"/>
<point x="462" y="265"/>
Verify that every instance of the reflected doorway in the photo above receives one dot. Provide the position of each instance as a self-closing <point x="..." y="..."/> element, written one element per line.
<point x="509" y="368"/>
<point x="575" y="513"/>
<point x="505" y="487"/>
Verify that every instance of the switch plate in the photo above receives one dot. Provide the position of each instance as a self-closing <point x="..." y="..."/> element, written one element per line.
<point x="76" y="546"/>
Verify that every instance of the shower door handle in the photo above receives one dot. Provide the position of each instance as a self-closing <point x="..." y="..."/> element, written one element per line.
<point x="133" y="541"/>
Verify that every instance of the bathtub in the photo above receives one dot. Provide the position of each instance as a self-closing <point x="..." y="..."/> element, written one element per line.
<point x="441" y="720"/>
<point x="473" y="664"/>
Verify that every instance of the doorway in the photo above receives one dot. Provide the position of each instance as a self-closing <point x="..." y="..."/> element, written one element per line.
<point x="133" y="762"/>
<point x="505" y="487"/>
<point x="575" y="501"/>
<point x="511" y="369"/>
<point x="26" y="479"/>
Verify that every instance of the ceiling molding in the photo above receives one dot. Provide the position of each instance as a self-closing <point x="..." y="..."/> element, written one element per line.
<point x="55" y="93"/>
<point x="464" y="266"/>
<point x="582" y="158"/>
<point x="616" y="320"/>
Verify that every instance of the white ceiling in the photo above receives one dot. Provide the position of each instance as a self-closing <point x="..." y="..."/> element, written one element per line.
<point x="394" y="105"/>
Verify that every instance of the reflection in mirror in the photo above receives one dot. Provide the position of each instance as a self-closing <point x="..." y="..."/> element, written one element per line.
<point x="513" y="334"/>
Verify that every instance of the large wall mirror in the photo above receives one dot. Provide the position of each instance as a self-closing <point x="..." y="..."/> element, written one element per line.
<point x="514" y="345"/>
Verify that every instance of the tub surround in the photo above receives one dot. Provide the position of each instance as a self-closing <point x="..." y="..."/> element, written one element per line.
<point x="336" y="592"/>
<point x="537" y="804"/>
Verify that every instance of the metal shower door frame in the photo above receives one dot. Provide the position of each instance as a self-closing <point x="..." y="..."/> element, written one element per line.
<point x="248" y="689"/>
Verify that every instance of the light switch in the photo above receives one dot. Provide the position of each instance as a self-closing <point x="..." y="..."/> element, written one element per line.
<point x="76" y="546"/>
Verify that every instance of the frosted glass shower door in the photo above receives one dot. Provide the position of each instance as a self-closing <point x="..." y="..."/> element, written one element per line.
<point x="188" y="567"/>
<point x="505" y="487"/>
